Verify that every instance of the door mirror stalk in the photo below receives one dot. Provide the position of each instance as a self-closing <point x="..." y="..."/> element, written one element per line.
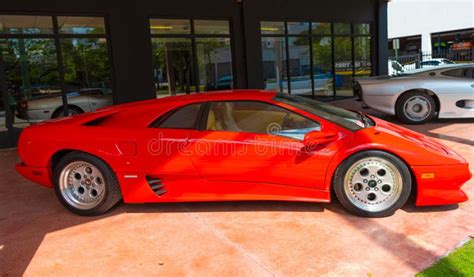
<point x="319" y="139"/>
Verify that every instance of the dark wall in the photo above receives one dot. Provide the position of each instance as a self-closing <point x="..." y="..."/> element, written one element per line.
<point x="128" y="30"/>
<point x="382" y="37"/>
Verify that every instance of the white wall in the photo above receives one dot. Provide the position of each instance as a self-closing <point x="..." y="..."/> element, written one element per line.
<point x="423" y="17"/>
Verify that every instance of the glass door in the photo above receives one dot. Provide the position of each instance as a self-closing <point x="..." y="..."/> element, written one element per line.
<point x="191" y="56"/>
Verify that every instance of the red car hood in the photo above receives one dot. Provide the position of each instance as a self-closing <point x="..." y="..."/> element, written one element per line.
<point x="417" y="138"/>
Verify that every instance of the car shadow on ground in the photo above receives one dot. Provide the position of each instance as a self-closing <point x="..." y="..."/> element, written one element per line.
<point x="228" y="206"/>
<point x="412" y="208"/>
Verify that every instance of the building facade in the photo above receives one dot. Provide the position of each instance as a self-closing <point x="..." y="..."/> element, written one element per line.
<point x="69" y="57"/>
<point x="439" y="29"/>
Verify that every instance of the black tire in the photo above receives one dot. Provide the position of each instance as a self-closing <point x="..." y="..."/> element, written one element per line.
<point x="112" y="190"/>
<point x="338" y="183"/>
<point x="73" y="110"/>
<point x="402" y="114"/>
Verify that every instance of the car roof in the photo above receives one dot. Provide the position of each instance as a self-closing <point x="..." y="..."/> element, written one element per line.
<point x="424" y="71"/>
<point x="225" y="95"/>
<point x="141" y="113"/>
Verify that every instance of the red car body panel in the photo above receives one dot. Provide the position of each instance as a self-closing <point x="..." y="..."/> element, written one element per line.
<point x="193" y="167"/>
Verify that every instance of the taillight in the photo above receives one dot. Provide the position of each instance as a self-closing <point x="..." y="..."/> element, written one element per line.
<point x="23" y="105"/>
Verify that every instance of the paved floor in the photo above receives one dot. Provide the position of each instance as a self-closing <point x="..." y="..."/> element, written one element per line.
<point x="39" y="237"/>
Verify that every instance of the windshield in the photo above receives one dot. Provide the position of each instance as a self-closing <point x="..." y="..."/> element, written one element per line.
<point x="350" y="120"/>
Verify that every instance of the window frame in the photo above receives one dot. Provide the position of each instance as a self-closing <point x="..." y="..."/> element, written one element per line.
<point x="205" y="114"/>
<point x="310" y="36"/>
<point x="192" y="36"/>
<point x="56" y="36"/>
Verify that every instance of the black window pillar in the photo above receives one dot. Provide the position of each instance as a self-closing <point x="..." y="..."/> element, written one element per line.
<point x="59" y="58"/>
<point x="253" y="44"/>
<point x="131" y="55"/>
<point x="382" y="38"/>
<point x="7" y="138"/>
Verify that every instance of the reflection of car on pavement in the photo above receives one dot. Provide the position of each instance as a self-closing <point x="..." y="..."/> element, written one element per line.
<point x="251" y="145"/>
<point x="302" y="84"/>
<point x="51" y="106"/>
<point x="420" y="95"/>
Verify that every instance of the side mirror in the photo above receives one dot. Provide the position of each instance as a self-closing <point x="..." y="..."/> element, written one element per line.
<point x="318" y="139"/>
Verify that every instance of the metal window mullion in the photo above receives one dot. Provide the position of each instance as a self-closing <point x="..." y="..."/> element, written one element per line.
<point x="50" y="36"/>
<point x="333" y="61"/>
<point x="311" y="64"/>
<point x="26" y="36"/>
<point x="287" y="52"/>
<point x="211" y="35"/>
<point x="189" y="36"/>
<point x="232" y="54"/>
<point x="60" y="63"/>
<point x="195" y="59"/>
<point x="352" y="53"/>
<point x="111" y="60"/>
<point x="5" y="97"/>
<point x="82" y="35"/>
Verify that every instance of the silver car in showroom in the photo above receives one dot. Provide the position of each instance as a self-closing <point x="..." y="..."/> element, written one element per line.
<point x="51" y="106"/>
<point x="419" y="96"/>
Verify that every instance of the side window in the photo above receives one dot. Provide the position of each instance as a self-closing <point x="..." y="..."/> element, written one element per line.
<point x="459" y="73"/>
<point x="181" y="118"/>
<point x="258" y="117"/>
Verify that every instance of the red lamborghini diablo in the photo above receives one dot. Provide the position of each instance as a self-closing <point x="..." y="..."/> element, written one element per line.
<point x="244" y="145"/>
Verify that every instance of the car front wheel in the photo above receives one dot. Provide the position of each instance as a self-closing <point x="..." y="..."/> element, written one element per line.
<point x="85" y="184"/>
<point x="372" y="183"/>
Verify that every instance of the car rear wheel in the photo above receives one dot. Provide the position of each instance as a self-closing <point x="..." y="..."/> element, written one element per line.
<point x="72" y="110"/>
<point x="85" y="184"/>
<point x="372" y="183"/>
<point x="415" y="107"/>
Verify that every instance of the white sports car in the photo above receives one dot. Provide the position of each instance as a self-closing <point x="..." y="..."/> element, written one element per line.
<point x="418" y="96"/>
<point x="51" y="106"/>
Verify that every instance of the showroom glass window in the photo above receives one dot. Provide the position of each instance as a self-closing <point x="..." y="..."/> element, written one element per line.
<point x="191" y="55"/>
<point x="49" y="61"/>
<point x="323" y="58"/>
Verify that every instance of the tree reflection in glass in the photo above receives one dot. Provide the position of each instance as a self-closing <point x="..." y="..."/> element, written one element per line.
<point x="214" y="63"/>
<point x="172" y="66"/>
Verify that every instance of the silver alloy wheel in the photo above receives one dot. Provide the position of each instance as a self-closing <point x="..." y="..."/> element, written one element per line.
<point x="82" y="185"/>
<point x="417" y="108"/>
<point x="373" y="184"/>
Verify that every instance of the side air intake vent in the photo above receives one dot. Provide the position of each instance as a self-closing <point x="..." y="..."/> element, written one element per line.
<point x="156" y="185"/>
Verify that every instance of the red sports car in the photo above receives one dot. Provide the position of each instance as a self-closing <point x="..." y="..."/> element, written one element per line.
<point x="238" y="145"/>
